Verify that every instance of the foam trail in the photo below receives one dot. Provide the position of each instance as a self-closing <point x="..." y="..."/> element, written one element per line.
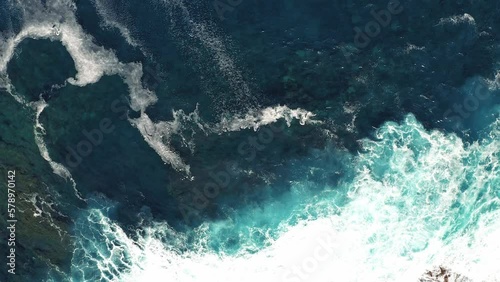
<point x="91" y="61"/>
<point x="157" y="135"/>
<point x="216" y="46"/>
<point x="58" y="22"/>
<point x="39" y="132"/>
<point x="6" y="84"/>
<point x="109" y="17"/>
<point x="255" y="119"/>
<point x="112" y="20"/>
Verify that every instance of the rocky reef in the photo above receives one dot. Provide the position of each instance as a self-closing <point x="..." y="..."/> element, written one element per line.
<point x="443" y="274"/>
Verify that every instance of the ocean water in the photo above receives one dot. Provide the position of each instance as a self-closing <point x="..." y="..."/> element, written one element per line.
<point x="321" y="140"/>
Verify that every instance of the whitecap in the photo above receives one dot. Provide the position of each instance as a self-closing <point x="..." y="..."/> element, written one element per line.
<point x="404" y="212"/>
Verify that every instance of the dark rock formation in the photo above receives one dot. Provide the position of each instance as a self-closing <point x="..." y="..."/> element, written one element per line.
<point x="442" y="274"/>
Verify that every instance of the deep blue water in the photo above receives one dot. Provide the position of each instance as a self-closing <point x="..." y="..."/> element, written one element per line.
<point x="241" y="140"/>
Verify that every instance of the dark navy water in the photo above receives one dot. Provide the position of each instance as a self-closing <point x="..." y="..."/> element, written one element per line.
<point x="170" y="140"/>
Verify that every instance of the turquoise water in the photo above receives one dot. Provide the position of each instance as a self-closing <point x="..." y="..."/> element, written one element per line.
<point x="416" y="197"/>
<point x="161" y="140"/>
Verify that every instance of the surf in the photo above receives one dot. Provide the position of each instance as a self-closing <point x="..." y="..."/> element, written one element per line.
<point x="406" y="211"/>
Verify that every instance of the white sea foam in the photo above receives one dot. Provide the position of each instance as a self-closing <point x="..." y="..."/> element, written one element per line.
<point x="111" y="20"/>
<point x="217" y="46"/>
<point x="158" y="135"/>
<point x="58" y="22"/>
<point x="39" y="132"/>
<point x="255" y="119"/>
<point x="6" y="84"/>
<point x="402" y="214"/>
<point x="119" y="20"/>
<point x="44" y="208"/>
<point x="91" y="61"/>
<point x="465" y="18"/>
<point x="411" y="48"/>
<point x="352" y="110"/>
